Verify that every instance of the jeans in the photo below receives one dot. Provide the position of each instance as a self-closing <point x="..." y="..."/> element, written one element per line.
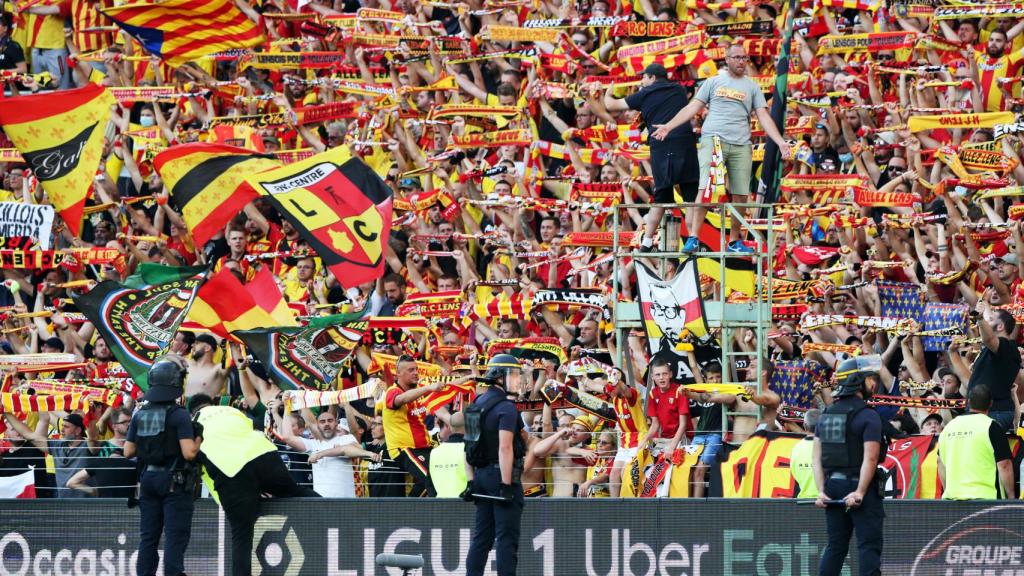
<point x="240" y="498"/>
<point x="866" y="520"/>
<point x="497" y="525"/>
<point x="1005" y="419"/>
<point x="54" y="61"/>
<point x="162" y="510"/>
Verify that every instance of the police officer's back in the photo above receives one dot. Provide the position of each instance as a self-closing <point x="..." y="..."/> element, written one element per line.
<point x="847" y="448"/>
<point x="495" y="449"/>
<point x="161" y="436"/>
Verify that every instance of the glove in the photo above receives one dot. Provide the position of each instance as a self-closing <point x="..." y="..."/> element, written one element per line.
<point x="467" y="494"/>
<point x="508" y="493"/>
<point x="197" y="429"/>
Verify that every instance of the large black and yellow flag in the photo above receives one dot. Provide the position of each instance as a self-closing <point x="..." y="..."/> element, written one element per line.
<point x="138" y="319"/>
<point x="205" y="182"/>
<point x="341" y="208"/>
<point x="60" y="135"/>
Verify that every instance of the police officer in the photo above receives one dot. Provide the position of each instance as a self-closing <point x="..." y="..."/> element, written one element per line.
<point x="495" y="447"/>
<point x="161" y="436"/>
<point x="241" y="465"/>
<point x="848" y="445"/>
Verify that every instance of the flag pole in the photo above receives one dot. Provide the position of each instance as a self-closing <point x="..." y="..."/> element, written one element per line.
<point x="771" y="165"/>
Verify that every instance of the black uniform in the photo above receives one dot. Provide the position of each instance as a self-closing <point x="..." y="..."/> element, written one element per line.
<point x="497" y="522"/>
<point x="166" y="485"/>
<point x="674" y="159"/>
<point x="843" y="429"/>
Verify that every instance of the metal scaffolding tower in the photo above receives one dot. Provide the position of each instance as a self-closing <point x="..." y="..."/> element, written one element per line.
<point x="724" y="318"/>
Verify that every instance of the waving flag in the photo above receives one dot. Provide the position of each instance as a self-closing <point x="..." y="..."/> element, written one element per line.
<point x="181" y="31"/>
<point x="340" y="206"/>
<point x="138" y="319"/>
<point x="60" y="136"/>
<point x="224" y="304"/>
<point x="943" y="318"/>
<point x="205" y="181"/>
<point x="309" y="357"/>
<point x="793" y="381"/>
<point x="900" y="300"/>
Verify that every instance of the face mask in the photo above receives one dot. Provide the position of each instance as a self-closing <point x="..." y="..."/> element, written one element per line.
<point x="846" y="158"/>
<point x="147" y="121"/>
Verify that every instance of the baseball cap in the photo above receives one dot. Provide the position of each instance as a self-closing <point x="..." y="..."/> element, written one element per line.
<point x="408" y="183"/>
<point x="1010" y="258"/>
<point x="75" y="419"/>
<point x="207" y="339"/>
<point x="656" y="70"/>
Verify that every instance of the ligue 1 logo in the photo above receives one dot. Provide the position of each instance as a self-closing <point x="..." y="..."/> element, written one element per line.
<point x="986" y="542"/>
<point x="277" y="551"/>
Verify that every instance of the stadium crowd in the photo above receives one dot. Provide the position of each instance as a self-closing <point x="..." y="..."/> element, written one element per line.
<point x="512" y="137"/>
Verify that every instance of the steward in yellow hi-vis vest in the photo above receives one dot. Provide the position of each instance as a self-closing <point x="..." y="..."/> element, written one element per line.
<point x="241" y="464"/>
<point x="974" y="455"/>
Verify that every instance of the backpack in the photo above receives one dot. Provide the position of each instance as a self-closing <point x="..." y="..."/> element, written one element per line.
<point x="476" y="451"/>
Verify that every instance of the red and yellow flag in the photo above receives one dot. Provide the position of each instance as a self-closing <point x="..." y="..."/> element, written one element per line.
<point x="180" y="31"/>
<point x="204" y="181"/>
<point x="224" y="304"/>
<point x="60" y="136"/>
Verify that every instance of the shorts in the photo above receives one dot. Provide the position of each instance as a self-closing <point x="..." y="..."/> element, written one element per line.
<point x="737" y="159"/>
<point x="712" y="446"/>
<point x="675" y="165"/>
<point x="626" y="455"/>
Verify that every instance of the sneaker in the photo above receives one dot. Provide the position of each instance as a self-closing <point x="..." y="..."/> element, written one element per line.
<point x="737" y="246"/>
<point x="647" y="245"/>
<point x="691" y="244"/>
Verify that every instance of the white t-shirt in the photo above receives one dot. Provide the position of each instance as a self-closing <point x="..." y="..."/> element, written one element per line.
<point x="332" y="476"/>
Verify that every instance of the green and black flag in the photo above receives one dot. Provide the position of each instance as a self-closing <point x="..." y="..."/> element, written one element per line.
<point x="771" y="166"/>
<point x="138" y="319"/>
<point x="309" y="357"/>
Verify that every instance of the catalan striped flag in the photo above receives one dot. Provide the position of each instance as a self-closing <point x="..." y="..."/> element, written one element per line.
<point x="224" y="304"/>
<point x="60" y="136"/>
<point x="205" y="181"/>
<point x="181" y="31"/>
<point x="445" y="396"/>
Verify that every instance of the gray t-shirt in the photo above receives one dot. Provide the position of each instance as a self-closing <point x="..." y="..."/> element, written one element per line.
<point x="68" y="460"/>
<point x="730" y="101"/>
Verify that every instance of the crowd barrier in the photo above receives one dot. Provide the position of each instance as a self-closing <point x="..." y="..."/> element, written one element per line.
<point x="560" y="537"/>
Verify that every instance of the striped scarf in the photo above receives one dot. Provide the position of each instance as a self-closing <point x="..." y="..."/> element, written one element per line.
<point x="26" y="403"/>
<point x="714" y="191"/>
<point x="436" y="400"/>
<point x="299" y="399"/>
<point x="503" y="306"/>
<point x="101" y="395"/>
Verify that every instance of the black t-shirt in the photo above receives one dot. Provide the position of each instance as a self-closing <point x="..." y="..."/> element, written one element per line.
<point x="17" y="461"/>
<point x="11" y="54"/>
<point x="709" y="417"/>
<point x="997" y="371"/>
<point x="113" y="476"/>
<point x="1000" y="445"/>
<point x="385" y="478"/>
<point x="659" y="103"/>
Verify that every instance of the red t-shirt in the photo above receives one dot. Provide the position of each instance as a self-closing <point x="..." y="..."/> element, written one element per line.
<point x="667" y="406"/>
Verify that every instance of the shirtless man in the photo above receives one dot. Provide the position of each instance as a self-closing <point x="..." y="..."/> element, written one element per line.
<point x="569" y="459"/>
<point x="709" y="427"/>
<point x="533" y="467"/>
<point x="205" y="376"/>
